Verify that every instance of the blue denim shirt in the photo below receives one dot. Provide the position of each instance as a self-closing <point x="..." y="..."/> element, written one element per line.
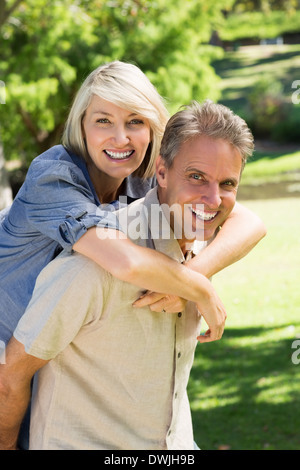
<point x="55" y="206"/>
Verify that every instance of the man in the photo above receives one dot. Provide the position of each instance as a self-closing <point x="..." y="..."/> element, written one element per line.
<point x="112" y="375"/>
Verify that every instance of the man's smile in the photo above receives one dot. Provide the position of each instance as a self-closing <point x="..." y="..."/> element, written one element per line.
<point x="203" y="215"/>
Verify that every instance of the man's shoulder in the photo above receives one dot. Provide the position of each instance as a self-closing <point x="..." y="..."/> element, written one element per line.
<point x="136" y="215"/>
<point x="73" y="266"/>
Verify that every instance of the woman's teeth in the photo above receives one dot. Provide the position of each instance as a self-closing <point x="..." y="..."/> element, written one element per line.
<point x="204" y="215"/>
<point x="119" y="155"/>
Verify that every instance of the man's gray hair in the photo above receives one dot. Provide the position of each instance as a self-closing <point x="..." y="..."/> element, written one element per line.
<point x="210" y="119"/>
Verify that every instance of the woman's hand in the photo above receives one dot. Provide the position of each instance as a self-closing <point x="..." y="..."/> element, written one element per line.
<point x="161" y="302"/>
<point x="214" y="314"/>
<point x="210" y="307"/>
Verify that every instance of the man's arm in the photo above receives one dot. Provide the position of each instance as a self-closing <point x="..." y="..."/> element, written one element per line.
<point x="15" y="391"/>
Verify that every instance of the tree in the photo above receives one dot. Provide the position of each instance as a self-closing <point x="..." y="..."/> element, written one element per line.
<point x="265" y="6"/>
<point x="50" y="46"/>
<point x="7" y="9"/>
<point x="5" y="189"/>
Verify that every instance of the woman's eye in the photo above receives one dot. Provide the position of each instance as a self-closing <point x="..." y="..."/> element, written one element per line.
<point x="136" y="121"/>
<point x="103" y="121"/>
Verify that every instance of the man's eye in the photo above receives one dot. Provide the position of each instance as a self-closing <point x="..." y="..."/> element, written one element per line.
<point x="196" y="176"/>
<point x="230" y="185"/>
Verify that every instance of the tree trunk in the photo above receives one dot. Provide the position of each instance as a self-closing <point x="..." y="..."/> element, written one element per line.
<point x="5" y="189"/>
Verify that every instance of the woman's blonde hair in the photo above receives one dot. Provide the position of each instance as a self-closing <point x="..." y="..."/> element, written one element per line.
<point x="126" y="86"/>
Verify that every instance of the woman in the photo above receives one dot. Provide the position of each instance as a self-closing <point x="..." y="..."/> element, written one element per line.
<point x="110" y="143"/>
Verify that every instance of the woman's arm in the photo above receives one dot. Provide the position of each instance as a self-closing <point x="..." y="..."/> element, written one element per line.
<point x="239" y="234"/>
<point x="143" y="267"/>
<point x="152" y="270"/>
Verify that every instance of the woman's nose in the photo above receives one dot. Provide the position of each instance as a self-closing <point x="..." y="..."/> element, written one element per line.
<point x="120" y="136"/>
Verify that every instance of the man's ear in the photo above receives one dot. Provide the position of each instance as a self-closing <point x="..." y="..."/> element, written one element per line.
<point x="161" y="172"/>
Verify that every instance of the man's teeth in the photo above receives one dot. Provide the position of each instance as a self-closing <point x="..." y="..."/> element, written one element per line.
<point x="204" y="215"/>
<point x="119" y="155"/>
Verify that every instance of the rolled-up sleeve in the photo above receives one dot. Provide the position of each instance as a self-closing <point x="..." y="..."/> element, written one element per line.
<point x="59" y="203"/>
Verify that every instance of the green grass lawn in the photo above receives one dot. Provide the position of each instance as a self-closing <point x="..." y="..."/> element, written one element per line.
<point x="244" y="389"/>
<point x="272" y="167"/>
<point x="241" y="70"/>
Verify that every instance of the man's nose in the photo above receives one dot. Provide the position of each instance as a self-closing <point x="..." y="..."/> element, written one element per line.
<point x="212" y="196"/>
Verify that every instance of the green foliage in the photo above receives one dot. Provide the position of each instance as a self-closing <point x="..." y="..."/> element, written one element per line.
<point x="265" y="5"/>
<point x="268" y="106"/>
<point x="287" y="130"/>
<point x="258" y="25"/>
<point x="39" y="73"/>
<point x="195" y="81"/>
<point x="257" y="84"/>
<point x="50" y="47"/>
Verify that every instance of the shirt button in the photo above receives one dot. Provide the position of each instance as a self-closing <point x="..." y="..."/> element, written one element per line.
<point x="179" y="315"/>
<point x="179" y="355"/>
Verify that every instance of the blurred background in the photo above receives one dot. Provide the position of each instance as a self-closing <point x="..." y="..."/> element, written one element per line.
<point x="244" y="390"/>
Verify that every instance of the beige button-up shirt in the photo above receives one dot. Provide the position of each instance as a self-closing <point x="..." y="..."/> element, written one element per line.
<point x="118" y="375"/>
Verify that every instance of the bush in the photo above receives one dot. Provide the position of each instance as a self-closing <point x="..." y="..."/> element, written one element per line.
<point x="288" y="129"/>
<point x="268" y="107"/>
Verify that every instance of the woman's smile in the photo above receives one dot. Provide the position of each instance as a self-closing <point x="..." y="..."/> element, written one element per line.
<point x="117" y="155"/>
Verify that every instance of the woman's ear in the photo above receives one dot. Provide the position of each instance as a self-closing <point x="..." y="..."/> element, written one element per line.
<point x="161" y="172"/>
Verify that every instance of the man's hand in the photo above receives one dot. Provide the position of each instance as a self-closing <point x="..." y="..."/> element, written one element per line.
<point x="161" y="302"/>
